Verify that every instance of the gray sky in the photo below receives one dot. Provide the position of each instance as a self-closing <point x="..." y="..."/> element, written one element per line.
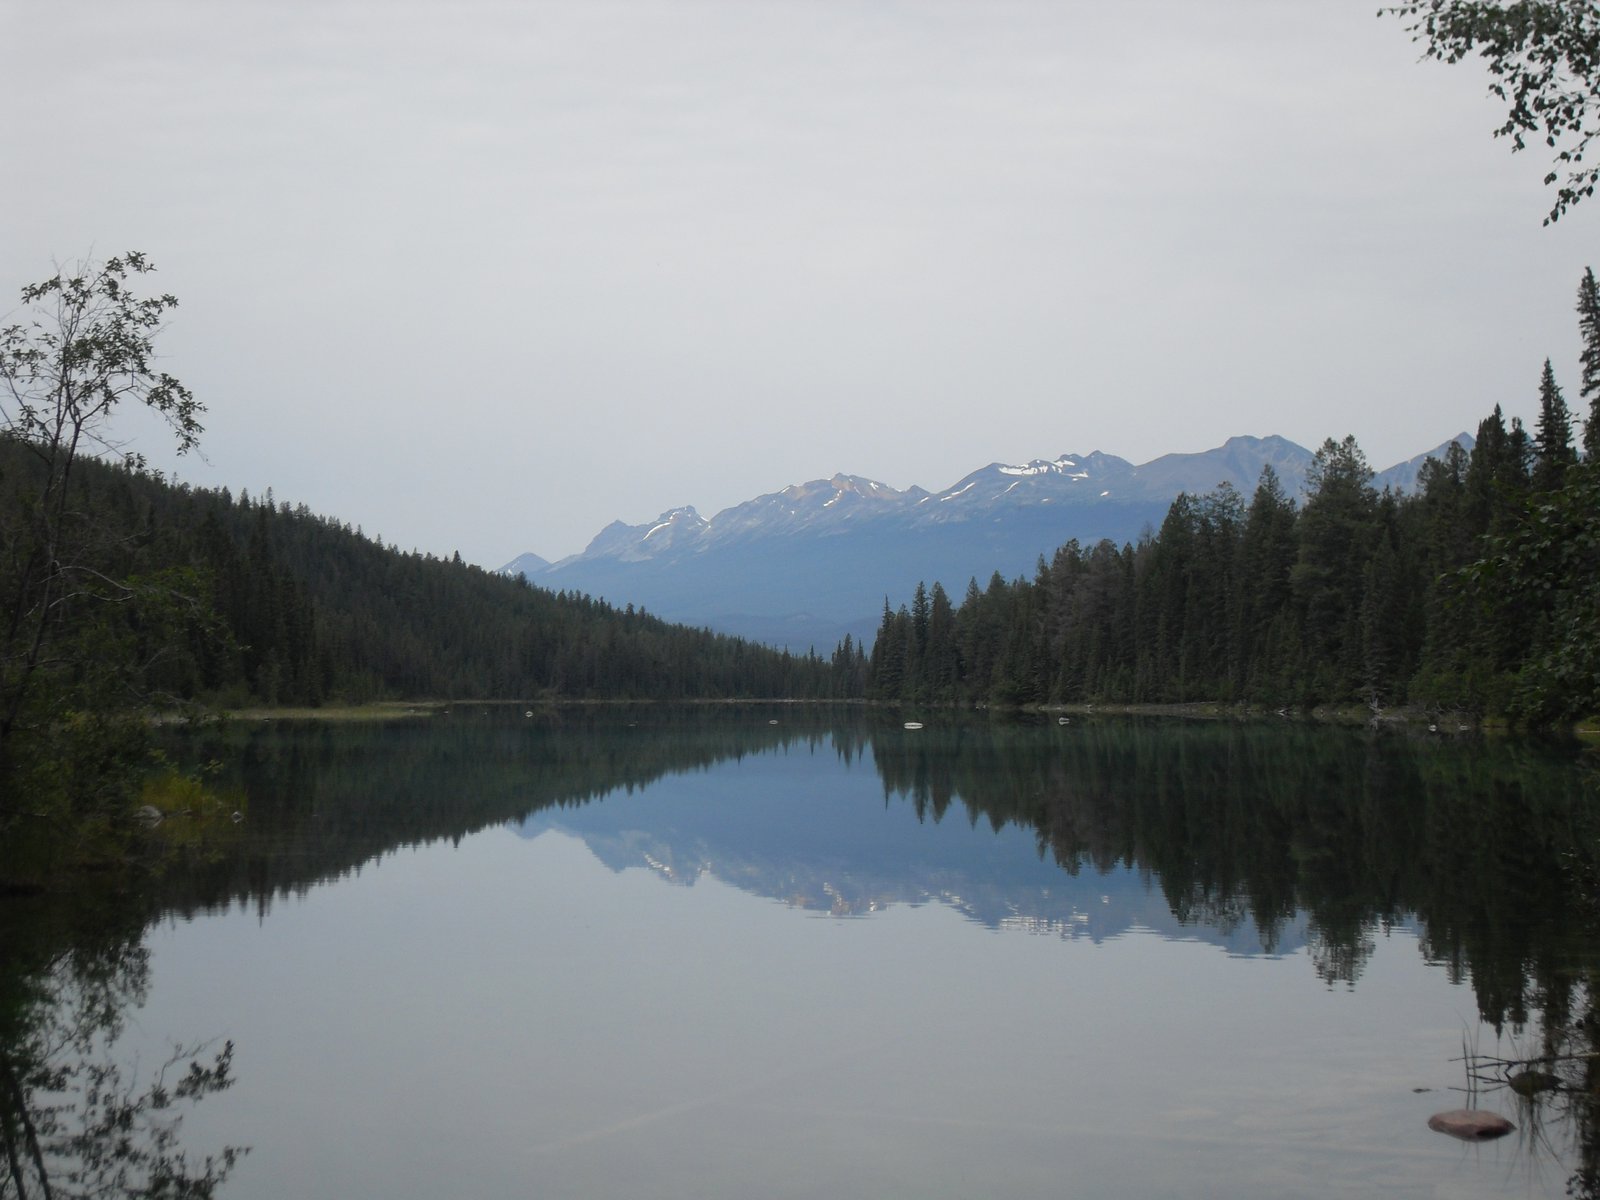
<point x="488" y="275"/>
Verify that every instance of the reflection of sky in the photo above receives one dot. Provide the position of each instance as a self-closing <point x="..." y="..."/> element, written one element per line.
<point x="514" y="1017"/>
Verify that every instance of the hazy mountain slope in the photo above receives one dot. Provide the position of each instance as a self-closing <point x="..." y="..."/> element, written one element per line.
<point x="809" y="563"/>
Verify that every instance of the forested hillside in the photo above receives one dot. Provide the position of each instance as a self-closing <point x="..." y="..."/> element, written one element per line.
<point x="258" y="602"/>
<point x="1478" y="592"/>
<point x="121" y="592"/>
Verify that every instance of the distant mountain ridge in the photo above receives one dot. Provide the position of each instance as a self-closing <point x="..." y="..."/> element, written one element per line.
<point x="807" y="564"/>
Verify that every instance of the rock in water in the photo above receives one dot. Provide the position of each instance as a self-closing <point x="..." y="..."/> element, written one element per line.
<point x="1470" y="1124"/>
<point x="1531" y="1083"/>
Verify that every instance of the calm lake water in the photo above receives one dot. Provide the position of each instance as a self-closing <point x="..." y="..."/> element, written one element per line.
<point x="694" y="953"/>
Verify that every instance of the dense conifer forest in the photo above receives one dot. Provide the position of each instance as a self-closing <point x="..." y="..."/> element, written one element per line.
<point x="259" y="602"/>
<point x="1479" y="592"/>
<point x="190" y="597"/>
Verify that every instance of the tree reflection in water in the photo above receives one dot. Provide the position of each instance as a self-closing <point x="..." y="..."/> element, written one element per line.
<point x="74" y="1120"/>
<point x="1556" y="1088"/>
<point x="1490" y="850"/>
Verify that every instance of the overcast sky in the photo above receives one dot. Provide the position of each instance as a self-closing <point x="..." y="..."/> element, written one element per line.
<point x="489" y="275"/>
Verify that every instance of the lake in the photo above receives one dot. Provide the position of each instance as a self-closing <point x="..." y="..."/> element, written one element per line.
<point x="798" y="952"/>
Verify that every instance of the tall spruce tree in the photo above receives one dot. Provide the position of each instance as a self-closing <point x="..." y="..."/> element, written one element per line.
<point x="940" y="664"/>
<point x="1553" y="452"/>
<point x="1589" y="361"/>
<point x="917" y="645"/>
<point x="980" y="627"/>
<point x="1336" y="532"/>
<point x="1519" y="462"/>
<point x="1441" y="525"/>
<point x="887" y="670"/>
<point x="1267" y="557"/>
<point x="1212" y="630"/>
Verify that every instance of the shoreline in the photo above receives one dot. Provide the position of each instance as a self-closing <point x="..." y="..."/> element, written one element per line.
<point x="1333" y="714"/>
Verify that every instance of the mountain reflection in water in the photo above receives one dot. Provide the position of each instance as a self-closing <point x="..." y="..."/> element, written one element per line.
<point x="1262" y="839"/>
<point x="1259" y="836"/>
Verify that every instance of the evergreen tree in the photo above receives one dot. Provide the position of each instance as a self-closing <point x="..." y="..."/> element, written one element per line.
<point x="1589" y="360"/>
<point x="1267" y="557"/>
<point x="1335" y="539"/>
<point x="941" y="663"/>
<point x="1443" y="530"/>
<point x="1497" y="474"/>
<point x="1019" y="675"/>
<point x="1553" y="442"/>
<point x="1211" y="630"/>
<point x="917" y="645"/>
<point x="1167" y="562"/>
<point x="1545" y="573"/>
<point x="887" y="671"/>
<point x="981" y="624"/>
<point x="1061" y="619"/>
<point x="1391" y="631"/>
<point x="1519" y="461"/>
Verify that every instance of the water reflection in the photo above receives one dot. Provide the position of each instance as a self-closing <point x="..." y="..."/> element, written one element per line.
<point x="1487" y="845"/>
<point x="75" y="1118"/>
<point x="1261" y="840"/>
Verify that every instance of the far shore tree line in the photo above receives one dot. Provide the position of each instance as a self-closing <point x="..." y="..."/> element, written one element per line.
<point x="1478" y="592"/>
<point x="119" y="592"/>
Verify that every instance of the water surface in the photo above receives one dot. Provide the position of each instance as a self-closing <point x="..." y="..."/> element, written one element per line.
<point x="693" y="953"/>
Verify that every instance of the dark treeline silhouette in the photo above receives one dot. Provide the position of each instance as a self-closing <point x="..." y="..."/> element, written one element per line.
<point x="268" y="603"/>
<point x="1477" y="592"/>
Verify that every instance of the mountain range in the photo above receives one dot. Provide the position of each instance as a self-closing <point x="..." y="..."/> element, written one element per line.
<point x="803" y="566"/>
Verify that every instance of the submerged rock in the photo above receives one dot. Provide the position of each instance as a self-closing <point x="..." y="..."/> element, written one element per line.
<point x="1470" y="1124"/>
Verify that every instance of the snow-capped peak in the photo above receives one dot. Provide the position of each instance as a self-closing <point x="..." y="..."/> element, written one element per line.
<point x="1066" y="465"/>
